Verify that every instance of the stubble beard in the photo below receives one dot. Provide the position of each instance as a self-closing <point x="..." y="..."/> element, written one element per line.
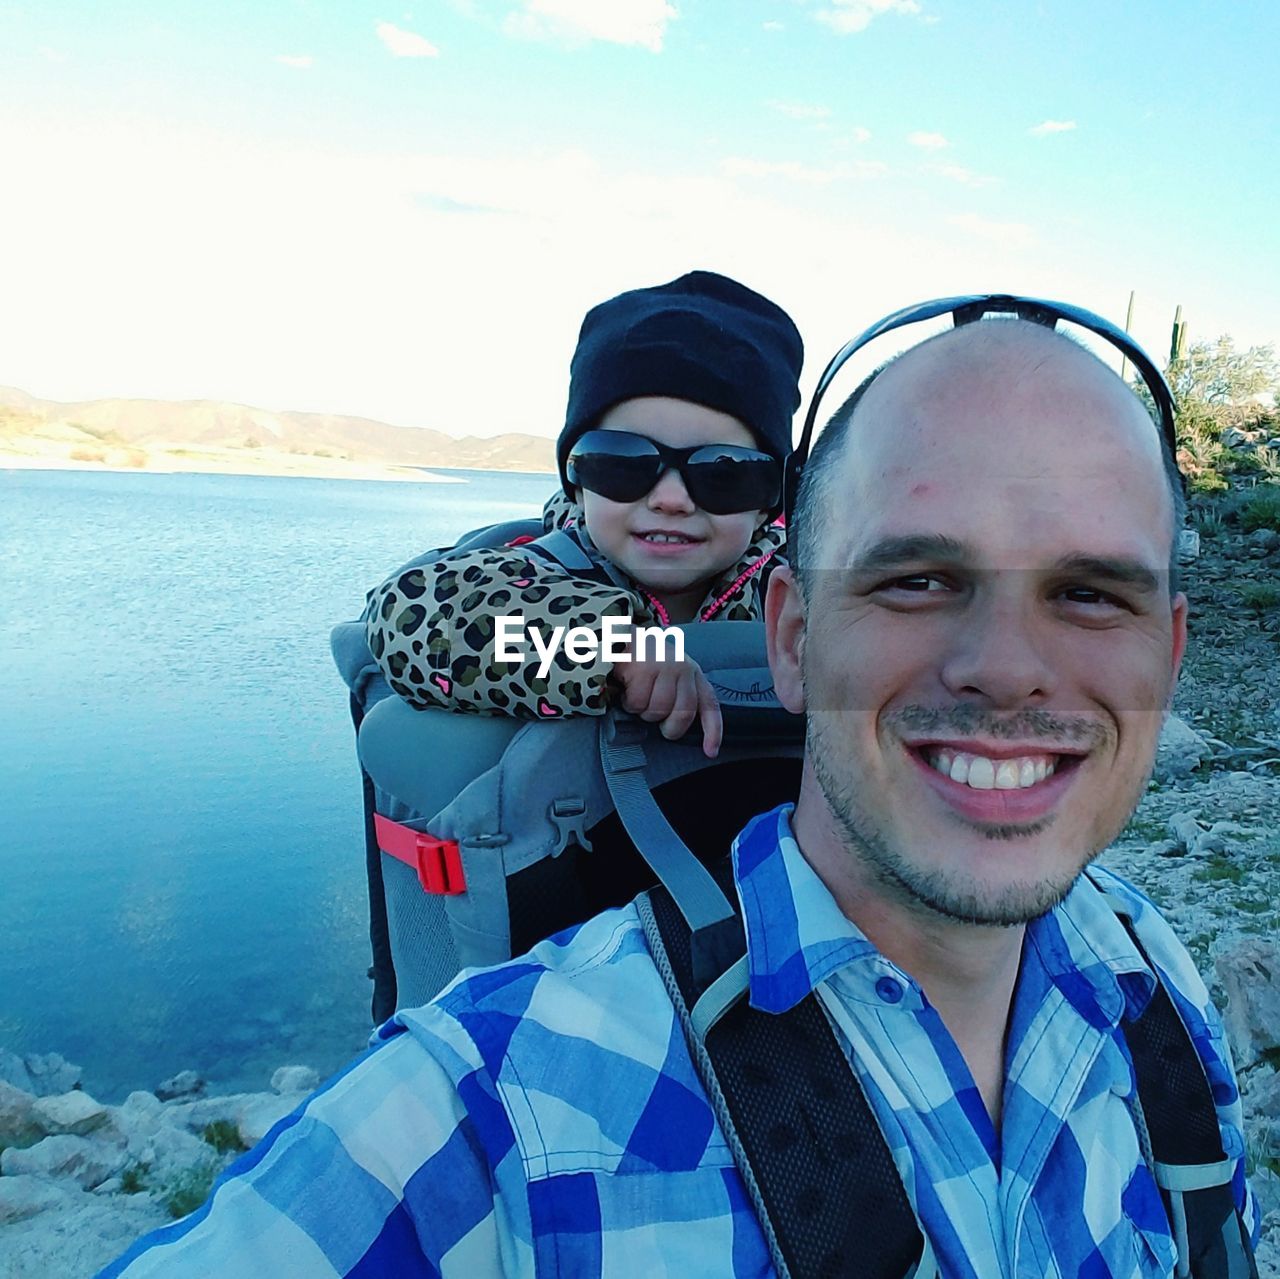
<point x="942" y="893"/>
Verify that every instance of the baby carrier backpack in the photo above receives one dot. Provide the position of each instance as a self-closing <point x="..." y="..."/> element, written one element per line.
<point x="486" y="834"/>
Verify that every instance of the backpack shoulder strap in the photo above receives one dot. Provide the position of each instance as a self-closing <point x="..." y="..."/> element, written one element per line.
<point x="816" y="1166"/>
<point x="561" y="549"/>
<point x="1185" y="1144"/>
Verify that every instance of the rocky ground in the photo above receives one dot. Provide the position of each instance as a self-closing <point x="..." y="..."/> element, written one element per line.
<point x="1205" y="841"/>
<point x="79" y="1180"/>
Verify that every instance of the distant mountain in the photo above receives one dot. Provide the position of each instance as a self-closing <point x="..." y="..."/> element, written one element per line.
<point x="166" y="430"/>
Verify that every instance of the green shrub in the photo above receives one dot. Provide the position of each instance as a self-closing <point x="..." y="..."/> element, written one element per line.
<point x="1218" y="868"/>
<point x="1260" y="596"/>
<point x="223" y="1136"/>
<point x="1261" y="508"/>
<point x="188" y="1190"/>
<point x="133" y="1179"/>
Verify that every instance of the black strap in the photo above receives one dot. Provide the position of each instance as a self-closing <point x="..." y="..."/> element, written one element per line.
<point x="818" y="1164"/>
<point x="382" y="970"/>
<point x="562" y="550"/>
<point x="1182" y="1125"/>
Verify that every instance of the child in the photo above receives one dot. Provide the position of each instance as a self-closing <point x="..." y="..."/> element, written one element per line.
<point x="680" y="405"/>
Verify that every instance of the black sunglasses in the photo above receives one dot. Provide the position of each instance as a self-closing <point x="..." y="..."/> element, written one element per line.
<point x="966" y="310"/>
<point x="723" y="479"/>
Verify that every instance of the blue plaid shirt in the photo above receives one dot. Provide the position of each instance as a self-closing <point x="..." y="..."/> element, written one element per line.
<point x="544" y="1117"/>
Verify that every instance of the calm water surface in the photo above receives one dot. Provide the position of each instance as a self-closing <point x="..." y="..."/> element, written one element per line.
<point x="181" y="860"/>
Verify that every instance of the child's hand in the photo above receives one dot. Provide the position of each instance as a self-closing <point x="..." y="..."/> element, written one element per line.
<point x="674" y="693"/>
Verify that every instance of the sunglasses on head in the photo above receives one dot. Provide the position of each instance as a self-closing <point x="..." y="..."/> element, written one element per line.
<point x="723" y="479"/>
<point x="968" y="310"/>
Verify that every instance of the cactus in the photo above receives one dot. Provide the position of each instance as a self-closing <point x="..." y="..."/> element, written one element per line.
<point x="1178" y="340"/>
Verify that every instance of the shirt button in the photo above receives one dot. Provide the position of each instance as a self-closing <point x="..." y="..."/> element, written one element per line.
<point x="889" y="990"/>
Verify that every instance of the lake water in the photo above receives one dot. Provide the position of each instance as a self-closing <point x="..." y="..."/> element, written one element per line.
<point x="181" y="853"/>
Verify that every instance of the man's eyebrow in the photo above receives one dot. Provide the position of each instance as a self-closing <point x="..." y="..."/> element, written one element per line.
<point x="890" y="552"/>
<point x="1120" y="569"/>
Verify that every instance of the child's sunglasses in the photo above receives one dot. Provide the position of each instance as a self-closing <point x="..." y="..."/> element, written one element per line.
<point x="723" y="479"/>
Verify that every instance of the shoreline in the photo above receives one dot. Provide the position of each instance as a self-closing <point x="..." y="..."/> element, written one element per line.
<point x="314" y="469"/>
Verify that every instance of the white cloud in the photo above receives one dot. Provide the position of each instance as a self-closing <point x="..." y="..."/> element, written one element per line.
<point x="850" y="16"/>
<point x="405" y="44"/>
<point x="966" y="177"/>
<point x="50" y="54"/>
<point x="300" y="60"/>
<point x="772" y="26"/>
<point x="626" y="22"/>
<point x="1012" y="234"/>
<point x="927" y="141"/>
<point x="799" y="110"/>
<point x="859" y="135"/>
<point x="1052" y="126"/>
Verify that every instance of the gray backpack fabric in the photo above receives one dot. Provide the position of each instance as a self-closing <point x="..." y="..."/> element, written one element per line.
<point x="533" y="808"/>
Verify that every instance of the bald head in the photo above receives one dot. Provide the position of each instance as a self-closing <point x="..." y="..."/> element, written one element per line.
<point x="1008" y="413"/>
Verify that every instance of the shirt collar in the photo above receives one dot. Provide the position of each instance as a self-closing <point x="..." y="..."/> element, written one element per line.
<point x="797" y="936"/>
<point x="1088" y="953"/>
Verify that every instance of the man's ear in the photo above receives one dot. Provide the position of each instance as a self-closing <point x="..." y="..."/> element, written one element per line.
<point x="1179" y="607"/>
<point x="784" y="634"/>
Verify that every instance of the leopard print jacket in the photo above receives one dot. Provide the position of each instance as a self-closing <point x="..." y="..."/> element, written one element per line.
<point x="431" y="628"/>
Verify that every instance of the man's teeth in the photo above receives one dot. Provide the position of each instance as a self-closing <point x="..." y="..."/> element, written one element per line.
<point x="991" y="774"/>
<point x="666" y="537"/>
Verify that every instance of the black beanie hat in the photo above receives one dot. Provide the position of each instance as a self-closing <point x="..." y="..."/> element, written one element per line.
<point x="704" y="338"/>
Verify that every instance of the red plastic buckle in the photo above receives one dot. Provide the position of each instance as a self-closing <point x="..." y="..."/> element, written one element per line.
<point x="437" y="861"/>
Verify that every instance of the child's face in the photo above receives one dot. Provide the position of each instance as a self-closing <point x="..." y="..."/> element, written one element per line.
<point x="702" y="545"/>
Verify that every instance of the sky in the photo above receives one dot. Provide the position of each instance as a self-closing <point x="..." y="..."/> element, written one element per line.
<point x="403" y="213"/>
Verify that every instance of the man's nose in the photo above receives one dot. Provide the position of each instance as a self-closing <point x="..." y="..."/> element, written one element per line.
<point x="670" y="494"/>
<point x="999" y="653"/>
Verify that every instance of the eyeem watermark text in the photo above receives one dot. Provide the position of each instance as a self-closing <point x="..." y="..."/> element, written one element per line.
<point x="619" y="640"/>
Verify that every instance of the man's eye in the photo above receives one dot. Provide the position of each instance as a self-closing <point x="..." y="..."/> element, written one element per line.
<point x="919" y="584"/>
<point x="1087" y="595"/>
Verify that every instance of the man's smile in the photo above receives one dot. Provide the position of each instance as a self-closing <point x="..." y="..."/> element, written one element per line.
<point x="996" y="783"/>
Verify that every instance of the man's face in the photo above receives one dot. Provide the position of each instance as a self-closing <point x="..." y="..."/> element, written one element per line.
<point x="989" y="644"/>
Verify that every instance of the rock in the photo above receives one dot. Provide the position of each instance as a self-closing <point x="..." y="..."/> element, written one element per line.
<point x="73" y="1112"/>
<point x="140" y="1102"/>
<point x="19" y="1125"/>
<point x="1274" y="443"/>
<point x="112" y="1186"/>
<point x="1268" y="1255"/>
<point x="1264" y="1098"/>
<point x="185" y="1083"/>
<point x="1233" y="437"/>
<point x="1249" y="970"/>
<point x="1189" y="837"/>
<point x="1266" y="1187"/>
<point x="295" y="1079"/>
<point x="262" y="1115"/>
<point x="41" y="1074"/>
<point x="77" y="1238"/>
<point x="1188" y="546"/>
<point x="1185" y="829"/>
<point x="166" y="1150"/>
<point x="195" y="1116"/>
<point x="1267" y="538"/>
<point x="25" y="1195"/>
<point x="87" y="1163"/>
<point x="1179" y="751"/>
